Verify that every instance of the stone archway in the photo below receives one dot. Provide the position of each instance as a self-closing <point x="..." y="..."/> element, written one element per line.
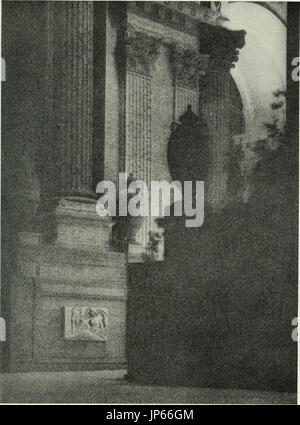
<point x="257" y="76"/>
<point x="259" y="72"/>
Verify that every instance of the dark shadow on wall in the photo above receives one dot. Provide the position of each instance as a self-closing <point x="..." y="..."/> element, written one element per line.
<point x="23" y="126"/>
<point x="218" y="311"/>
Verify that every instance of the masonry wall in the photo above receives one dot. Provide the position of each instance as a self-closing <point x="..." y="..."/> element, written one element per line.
<point x="43" y="276"/>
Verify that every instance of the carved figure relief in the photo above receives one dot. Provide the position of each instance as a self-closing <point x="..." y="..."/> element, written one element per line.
<point x="86" y="323"/>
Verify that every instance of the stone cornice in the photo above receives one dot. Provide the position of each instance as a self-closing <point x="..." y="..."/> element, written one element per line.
<point x="221" y="44"/>
<point x="187" y="66"/>
<point x="182" y="16"/>
<point x="142" y="51"/>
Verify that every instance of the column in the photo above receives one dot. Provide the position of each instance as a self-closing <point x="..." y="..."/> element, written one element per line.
<point x="187" y="67"/>
<point x="76" y="103"/>
<point x="141" y="53"/>
<point x="223" y="47"/>
<point x="77" y="222"/>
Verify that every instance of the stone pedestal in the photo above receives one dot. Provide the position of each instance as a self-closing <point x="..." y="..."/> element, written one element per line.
<point x="56" y="287"/>
<point x="78" y="225"/>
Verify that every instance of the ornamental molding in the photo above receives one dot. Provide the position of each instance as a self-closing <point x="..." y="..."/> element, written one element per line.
<point x="183" y="16"/>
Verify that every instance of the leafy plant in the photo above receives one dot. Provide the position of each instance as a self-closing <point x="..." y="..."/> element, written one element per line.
<point x="276" y="153"/>
<point x="152" y="249"/>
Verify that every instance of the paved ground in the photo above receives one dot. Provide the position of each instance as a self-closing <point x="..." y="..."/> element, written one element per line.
<point x="109" y="387"/>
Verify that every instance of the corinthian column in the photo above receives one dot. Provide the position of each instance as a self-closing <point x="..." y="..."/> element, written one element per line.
<point x="141" y="52"/>
<point x="223" y="47"/>
<point x="187" y="68"/>
<point x="77" y="222"/>
<point x="76" y="103"/>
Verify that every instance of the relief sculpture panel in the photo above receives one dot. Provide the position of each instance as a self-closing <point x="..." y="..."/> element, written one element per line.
<point x="85" y="323"/>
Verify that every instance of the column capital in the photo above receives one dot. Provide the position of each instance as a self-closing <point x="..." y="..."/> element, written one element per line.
<point x="142" y="50"/>
<point x="221" y="44"/>
<point x="187" y="66"/>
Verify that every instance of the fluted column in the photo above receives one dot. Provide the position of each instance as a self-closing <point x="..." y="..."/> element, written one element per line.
<point x="187" y="67"/>
<point x="216" y="114"/>
<point x="141" y="51"/>
<point x="77" y="223"/>
<point x="223" y="47"/>
<point x="76" y="103"/>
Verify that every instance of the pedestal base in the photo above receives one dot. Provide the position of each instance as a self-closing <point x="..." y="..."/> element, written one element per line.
<point x="68" y="301"/>
<point x="78" y="225"/>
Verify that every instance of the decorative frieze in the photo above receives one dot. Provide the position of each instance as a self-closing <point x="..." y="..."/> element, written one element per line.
<point x="182" y="16"/>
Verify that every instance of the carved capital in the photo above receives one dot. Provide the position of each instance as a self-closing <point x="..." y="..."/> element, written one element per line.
<point x="142" y="50"/>
<point x="187" y="66"/>
<point x="221" y="44"/>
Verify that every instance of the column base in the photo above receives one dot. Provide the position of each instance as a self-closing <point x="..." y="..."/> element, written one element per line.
<point x="78" y="225"/>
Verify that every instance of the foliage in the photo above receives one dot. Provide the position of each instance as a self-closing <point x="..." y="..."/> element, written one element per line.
<point x="277" y="152"/>
<point x="152" y="249"/>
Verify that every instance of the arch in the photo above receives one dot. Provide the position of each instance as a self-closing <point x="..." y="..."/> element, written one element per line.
<point x="279" y="9"/>
<point x="261" y="69"/>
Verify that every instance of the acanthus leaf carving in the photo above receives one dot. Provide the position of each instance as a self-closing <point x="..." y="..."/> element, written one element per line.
<point x="221" y="44"/>
<point x="187" y="66"/>
<point x="142" y="50"/>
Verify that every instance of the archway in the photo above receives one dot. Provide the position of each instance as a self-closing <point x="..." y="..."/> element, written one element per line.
<point x="261" y="69"/>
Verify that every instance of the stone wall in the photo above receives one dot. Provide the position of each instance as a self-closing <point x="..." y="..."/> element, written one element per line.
<point x="58" y="257"/>
<point x="70" y="118"/>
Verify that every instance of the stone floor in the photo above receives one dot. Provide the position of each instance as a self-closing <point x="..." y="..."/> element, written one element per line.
<point x="110" y="387"/>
